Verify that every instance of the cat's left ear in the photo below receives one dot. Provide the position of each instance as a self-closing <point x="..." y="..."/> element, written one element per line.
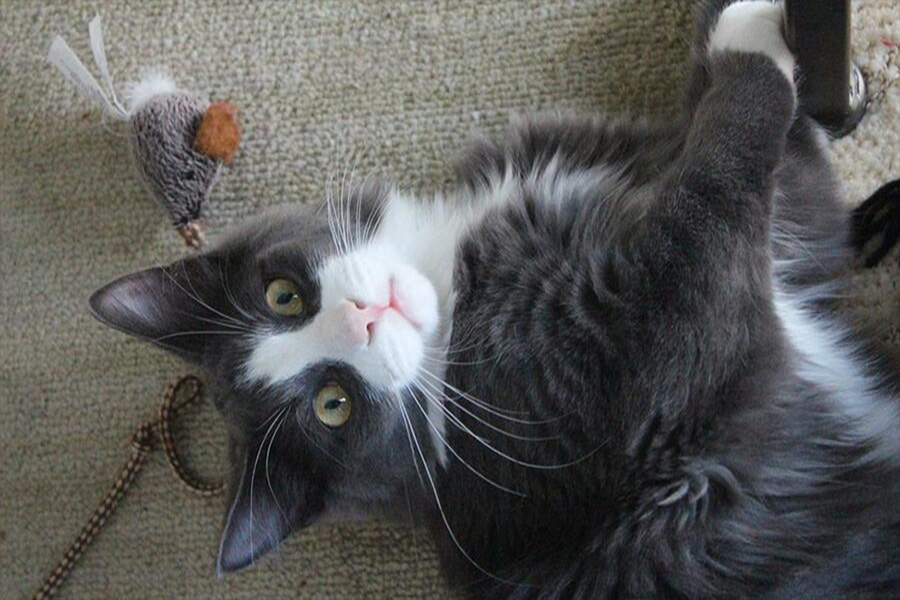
<point x="175" y="307"/>
<point x="271" y="498"/>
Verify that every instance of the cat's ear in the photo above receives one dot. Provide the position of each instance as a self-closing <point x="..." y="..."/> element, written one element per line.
<point x="271" y="498"/>
<point x="174" y="307"/>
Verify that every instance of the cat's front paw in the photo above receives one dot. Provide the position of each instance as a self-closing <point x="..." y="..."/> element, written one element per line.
<point x="754" y="26"/>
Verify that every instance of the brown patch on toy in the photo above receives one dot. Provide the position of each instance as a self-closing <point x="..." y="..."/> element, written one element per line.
<point x="219" y="134"/>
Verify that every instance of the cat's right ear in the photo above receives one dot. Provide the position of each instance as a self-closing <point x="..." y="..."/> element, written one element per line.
<point x="173" y="307"/>
<point x="271" y="497"/>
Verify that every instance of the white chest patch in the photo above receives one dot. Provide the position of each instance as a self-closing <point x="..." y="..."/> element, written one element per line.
<point x="828" y="360"/>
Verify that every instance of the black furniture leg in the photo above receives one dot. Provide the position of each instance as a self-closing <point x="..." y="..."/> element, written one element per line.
<point x="832" y="88"/>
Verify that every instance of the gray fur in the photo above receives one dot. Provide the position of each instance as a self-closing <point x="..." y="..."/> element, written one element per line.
<point x="682" y="451"/>
<point x="162" y="133"/>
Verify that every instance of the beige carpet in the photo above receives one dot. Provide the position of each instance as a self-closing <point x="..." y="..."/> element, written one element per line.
<point x="395" y="87"/>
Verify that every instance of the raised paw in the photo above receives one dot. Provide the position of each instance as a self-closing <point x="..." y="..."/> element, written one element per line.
<point x="756" y="26"/>
<point x="878" y="217"/>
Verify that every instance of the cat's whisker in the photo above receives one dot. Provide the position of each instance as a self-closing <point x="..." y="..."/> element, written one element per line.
<point x="362" y="229"/>
<point x="454" y="348"/>
<point x="225" y="324"/>
<point x="342" y="220"/>
<point x="437" y="500"/>
<point x="201" y="332"/>
<point x="195" y="297"/>
<point x="491" y="426"/>
<point x="349" y="202"/>
<point x="456" y="454"/>
<point x="531" y="465"/>
<point x="467" y="363"/>
<point x="253" y="478"/>
<point x="337" y="199"/>
<point x="354" y="197"/>
<point x="329" y="204"/>
<point x="399" y="400"/>
<point x="269" y="419"/>
<point x="367" y="232"/>
<point x="349" y="194"/>
<point x="487" y="407"/>
<point x="332" y="222"/>
<point x="372" y="221"/>
<point x="282" y="419"/>
<point x="379" y="217"/>
<point x="312" y="441"/>
<point x="449" y="415"/>
<point x="223" y="274"/>
<point x="359" y="240"/>
<point x="500" y="412"/>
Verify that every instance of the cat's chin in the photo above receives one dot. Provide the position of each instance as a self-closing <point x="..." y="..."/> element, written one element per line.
<point x="400" y="337"/>
<point x="401" y="305"/>
<point x="394" y="355"/>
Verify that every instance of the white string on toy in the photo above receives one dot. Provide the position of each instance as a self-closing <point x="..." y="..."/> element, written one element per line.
<point x="97" y="47"/>
<point x="63" y="58"/>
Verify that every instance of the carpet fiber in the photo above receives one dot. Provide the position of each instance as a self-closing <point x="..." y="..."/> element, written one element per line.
<point x="393" y="87"/>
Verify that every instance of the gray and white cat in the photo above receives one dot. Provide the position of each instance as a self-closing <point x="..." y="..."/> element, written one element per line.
<point x="601" y="365"/>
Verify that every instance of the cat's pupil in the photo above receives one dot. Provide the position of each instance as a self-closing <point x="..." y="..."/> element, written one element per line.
<point x="333" y="404"/>
<point x="285" y="298"/>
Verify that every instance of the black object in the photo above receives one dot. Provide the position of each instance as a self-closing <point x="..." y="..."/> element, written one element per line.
<point x="832" y="88"/>
<point x="879" y="214"/>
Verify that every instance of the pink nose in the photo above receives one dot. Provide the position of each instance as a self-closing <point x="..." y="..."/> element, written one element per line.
<point x="359" y="319"/>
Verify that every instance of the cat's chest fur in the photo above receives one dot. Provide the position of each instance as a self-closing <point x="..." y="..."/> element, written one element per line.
<point x="544" y="336"/>
<point x="510" y="260"/>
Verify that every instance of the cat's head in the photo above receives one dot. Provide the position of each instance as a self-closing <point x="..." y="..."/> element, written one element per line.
<point x="317" y="320"/>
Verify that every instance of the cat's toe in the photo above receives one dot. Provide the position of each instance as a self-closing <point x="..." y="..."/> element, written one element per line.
<point x="755" y="26"/>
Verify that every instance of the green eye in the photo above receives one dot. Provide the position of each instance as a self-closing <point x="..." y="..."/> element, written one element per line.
<point x="333" y="405"/>
<point x="283" y="297"/>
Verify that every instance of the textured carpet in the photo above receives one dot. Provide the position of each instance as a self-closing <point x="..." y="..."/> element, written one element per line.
<point x="394" y="87"/>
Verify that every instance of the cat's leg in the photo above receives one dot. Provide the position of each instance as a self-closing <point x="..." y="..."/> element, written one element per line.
<point x="706" y="15"/>
<point x="810" y="222"/>
<point x="703" y="250"/>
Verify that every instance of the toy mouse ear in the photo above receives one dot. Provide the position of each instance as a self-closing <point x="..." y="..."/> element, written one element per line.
<point x="219" y="134"/>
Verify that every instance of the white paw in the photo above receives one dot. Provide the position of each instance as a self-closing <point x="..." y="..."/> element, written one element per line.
<point x="754" y="26"/>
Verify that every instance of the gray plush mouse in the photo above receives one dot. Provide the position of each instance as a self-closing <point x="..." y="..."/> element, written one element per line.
<point x="178" y="139"/>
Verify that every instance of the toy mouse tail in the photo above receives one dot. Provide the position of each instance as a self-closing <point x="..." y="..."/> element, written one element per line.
<point x="63" y="58"/>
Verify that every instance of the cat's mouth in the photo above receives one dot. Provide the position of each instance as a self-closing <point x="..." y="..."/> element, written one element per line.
<point x="397" y="306"/>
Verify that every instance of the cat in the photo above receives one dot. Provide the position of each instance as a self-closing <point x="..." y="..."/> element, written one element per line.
<point x="600" y="366"/>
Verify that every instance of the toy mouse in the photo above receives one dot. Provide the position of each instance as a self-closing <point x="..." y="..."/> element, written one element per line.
<point x="178" y="139"/>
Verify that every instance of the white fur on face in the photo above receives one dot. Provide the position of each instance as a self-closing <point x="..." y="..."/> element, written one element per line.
<point x="377" y="315"/>
<point x="413" y="251"/>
